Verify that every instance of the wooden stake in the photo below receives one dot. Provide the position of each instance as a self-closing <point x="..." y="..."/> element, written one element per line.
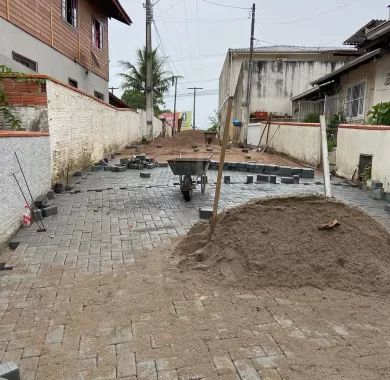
<point x="221" y="163"/>
<point x="325" y="157"/>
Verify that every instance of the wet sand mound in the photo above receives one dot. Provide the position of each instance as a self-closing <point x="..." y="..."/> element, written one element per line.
<point x="277" y="242"/>
<point x="184" y="139"/>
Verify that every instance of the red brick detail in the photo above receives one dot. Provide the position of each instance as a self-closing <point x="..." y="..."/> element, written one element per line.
<point x="296" y="124"/>
<point x="22" y="92"/>
<point x="54" y="80"/>
<point x="365" y="127"/>
<point x="8" y="133"/>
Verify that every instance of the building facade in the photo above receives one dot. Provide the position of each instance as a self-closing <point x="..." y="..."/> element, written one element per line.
<point x="65" y="39"/>
<point x="353" y="89"/>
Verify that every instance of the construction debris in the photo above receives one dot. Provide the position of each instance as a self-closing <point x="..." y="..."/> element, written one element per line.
<point x="330" y="225"/>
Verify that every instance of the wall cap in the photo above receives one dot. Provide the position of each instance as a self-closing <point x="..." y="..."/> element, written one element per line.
<point x="366" y="127"/>
<point x="10" y="133"/>
<point x="292" y="123"/>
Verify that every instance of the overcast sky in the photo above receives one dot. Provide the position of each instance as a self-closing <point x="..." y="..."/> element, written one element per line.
<point x="196" y="35"/>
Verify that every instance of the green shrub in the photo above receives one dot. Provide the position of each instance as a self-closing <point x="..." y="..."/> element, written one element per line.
<point x="312" y="118"/>
<point x="380" y="114"/>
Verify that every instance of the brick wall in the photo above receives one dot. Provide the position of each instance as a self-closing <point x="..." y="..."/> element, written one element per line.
<point x="34" y="154"/>
<point x="25" y="91"/>
<point x="83" y="129"/>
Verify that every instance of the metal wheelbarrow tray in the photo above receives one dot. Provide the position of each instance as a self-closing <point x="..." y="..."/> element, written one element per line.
<point x="189" y="170"/>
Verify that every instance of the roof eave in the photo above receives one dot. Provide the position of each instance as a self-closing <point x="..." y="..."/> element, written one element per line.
<point x="349" y="66"/>
<point x="120" y="13"/>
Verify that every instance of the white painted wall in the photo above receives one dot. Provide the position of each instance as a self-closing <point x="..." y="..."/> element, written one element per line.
<point x="351" y="142"/>
<point x="301" y="141"/>
<point x="83" y="130"/>
<point x="34" y="156"/>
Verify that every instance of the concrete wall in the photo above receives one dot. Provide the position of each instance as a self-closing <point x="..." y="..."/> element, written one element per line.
<point x="83" y="129"/>
<point x="301" y="141"/>
<point x="354" y="140"/>
<point x="232" y="66"/>
<point x="50" y="61"/>
<point x="33" y="150"/>
<point x="274" y="83"/>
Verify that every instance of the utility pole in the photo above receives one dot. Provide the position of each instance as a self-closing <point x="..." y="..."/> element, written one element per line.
<point x="149" y="71"/>
<point x="112" y="89"/>
<point x="194" y="110"/>
<point x="244" y="131"/>
<point x="174" y="80"/>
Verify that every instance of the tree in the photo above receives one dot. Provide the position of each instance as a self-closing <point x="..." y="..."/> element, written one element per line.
<point x="135" y="80"/>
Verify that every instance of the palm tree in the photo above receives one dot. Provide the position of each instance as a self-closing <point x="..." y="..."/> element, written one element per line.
<point x="135" y="79"/>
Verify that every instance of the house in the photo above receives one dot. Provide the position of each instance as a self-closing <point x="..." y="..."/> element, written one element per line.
<point x="352" y="89"/>
<point x="278" y="73"/>
<point x="64" y="39"/>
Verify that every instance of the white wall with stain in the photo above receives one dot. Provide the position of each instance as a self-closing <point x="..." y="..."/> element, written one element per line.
<point x="34" y="156"/>
<point x="352" y="141"/>
<point x="301" y="141"/>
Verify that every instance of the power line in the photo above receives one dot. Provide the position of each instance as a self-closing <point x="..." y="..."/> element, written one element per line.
<point x="202" y="20"/>
<point x="191" y="94"/>
<point x="225" y="5"/>
<point x="164" y="50"/>
<point x="308" y="17"/>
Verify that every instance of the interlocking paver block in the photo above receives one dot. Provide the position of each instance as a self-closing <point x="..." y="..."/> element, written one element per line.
<point x="55" y="334"/>
<point x="246" y="370"/>
<point x="223" y="364"/>
<point x="262" y="178"/>
<point x="125" y="360"/>
<point x="146" y="370"/>
<point x="205" y="213"/>
<point x="287" y="180"/>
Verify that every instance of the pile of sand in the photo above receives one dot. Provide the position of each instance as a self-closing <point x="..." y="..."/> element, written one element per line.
<point x="184" y="139"/>
<point x="276" y="242"/>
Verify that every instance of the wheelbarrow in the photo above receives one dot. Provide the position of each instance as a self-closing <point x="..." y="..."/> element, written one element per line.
<point x="191" y="171"/>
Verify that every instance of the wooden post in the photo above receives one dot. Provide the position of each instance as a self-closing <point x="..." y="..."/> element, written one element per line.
<point x="221" y="163"/>
<point x="325" y="157"/>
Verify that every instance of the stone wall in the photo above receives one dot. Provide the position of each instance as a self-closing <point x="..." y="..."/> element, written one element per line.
<point x="33" y="150"/>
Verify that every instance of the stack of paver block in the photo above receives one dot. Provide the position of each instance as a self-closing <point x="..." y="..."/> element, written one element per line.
<point x="377" y="191"/>
<point x="43" y="207"/>
<point x="141" y="161"/>
<point x="266" y="170"/>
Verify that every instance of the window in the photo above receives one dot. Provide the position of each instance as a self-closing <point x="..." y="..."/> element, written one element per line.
<point x="99" y="95"/>
<point x="97" y="34"/>
<point x="72" y="82"/>
<point x="25" y="61"/>
<point x="69" y="12"/>
<point x="355" y="101"/>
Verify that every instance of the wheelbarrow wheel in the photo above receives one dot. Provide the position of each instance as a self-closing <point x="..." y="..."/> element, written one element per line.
<point x="187" y="195"/>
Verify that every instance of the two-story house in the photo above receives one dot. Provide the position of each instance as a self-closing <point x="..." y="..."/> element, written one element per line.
<point x="65" y="39"/>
